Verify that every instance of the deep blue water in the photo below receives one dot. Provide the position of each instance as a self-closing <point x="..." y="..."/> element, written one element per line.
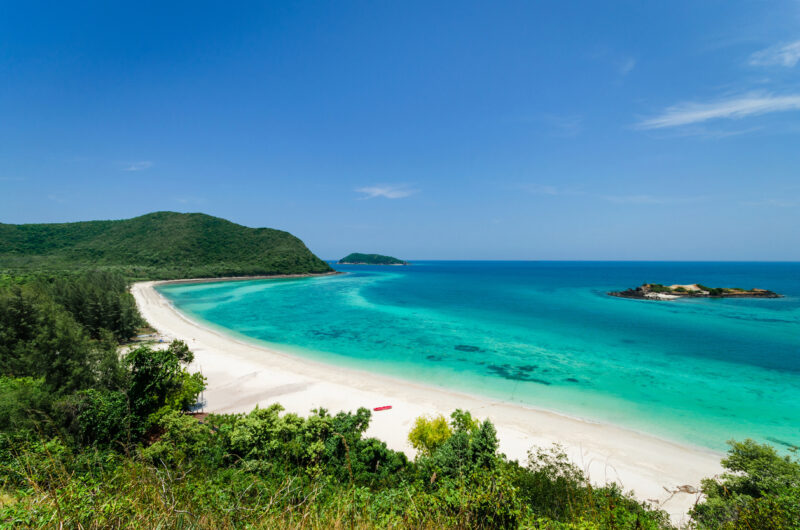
<point x="545" y="334"/>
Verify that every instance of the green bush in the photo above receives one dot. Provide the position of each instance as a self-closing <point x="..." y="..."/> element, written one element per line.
<point x="553" y="485"/>
<point x="99" y="417"/>
<point x="25" y="405"/>
<point x="658" y="288"/>
<point x="184" y="439"/>
<point x="761" y="489"/>
<point x="157" y="383"/>
<point x="429" y="433"/>
<point x="319" y="444"/>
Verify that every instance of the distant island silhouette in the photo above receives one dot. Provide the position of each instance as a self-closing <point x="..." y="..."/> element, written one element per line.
<point x="356" y="258"/>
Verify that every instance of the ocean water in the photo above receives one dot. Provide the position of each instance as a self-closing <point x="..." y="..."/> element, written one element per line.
<point x="546" y="335"/>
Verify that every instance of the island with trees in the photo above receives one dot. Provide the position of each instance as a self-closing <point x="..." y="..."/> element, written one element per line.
<point x="657" y="291"/>
<point x="356" y="258"/>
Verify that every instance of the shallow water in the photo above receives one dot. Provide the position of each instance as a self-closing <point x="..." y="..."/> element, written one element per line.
<point x="545" y="334"/>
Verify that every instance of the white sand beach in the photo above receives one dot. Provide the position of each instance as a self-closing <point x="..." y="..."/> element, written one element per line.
<point x="242" y="375"/>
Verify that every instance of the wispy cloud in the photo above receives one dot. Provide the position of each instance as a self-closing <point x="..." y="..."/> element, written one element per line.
<point x="58" y="197"/>
<point x="564" y="126"/>
<point x="138" y="166"/>
<point x="707" y="133"/>
<point x="635" y="199"/>
<point x="622" y="199"/>
<point x="191" y="200"/>
<point x="548" y="189"/>
<point x="733" y="108"/>
<point x="387" y="192"/>
<point x="616" y="61"/>
<point x="627" y="66"/>
<point x="540" y="189"/>
<point x="651" y="199"/>
<point x="782" y="55"/>
<point x="779" y="203"/>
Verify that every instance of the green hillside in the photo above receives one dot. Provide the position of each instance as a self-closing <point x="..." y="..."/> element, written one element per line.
<point x="356" y="258"/>
<point x="159" y="245"/>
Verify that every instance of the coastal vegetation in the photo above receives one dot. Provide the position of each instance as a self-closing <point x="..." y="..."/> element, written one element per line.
<point x="759" y="490"/>
<point x="357" y="258"/>
<point x="92" y="439"/>
<point x="160" y="245"/>
<point x="97" y="431"/>
<point x="657" y="291"/>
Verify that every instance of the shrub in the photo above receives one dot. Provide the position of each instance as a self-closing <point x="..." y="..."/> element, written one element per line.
<point x="760" y="490"/>
<point x="429" y="433"/>
<point x="99" y="417"/>
<point x="552" y="485"/>
<point x="157" y="383"/>
<point x="658" y="288"/>
<point x="184" y="438"/>
<point x="25" y="404"/>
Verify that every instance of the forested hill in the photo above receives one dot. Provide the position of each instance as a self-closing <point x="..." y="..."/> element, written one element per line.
<point x="160" y="245"/>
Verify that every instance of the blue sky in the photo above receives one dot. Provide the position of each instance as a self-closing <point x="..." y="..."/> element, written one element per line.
<point x="461" y="130"/>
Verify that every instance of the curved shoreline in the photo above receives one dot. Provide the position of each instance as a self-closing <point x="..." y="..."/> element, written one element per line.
<point x="243" y="374"/>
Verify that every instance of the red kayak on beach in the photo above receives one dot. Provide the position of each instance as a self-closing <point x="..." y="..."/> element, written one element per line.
<point x="385" y="407"/>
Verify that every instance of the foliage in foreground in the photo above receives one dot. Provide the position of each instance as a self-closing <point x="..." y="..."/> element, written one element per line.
<point x="760" y="490"/>
<point x="268" y="469"/>
<point x="92" y="440"/>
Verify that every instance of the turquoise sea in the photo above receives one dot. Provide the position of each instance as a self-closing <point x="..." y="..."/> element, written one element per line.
<point x="545" y="334"/>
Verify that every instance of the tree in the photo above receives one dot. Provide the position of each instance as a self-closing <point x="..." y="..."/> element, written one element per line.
<point x="38" y="338"/>
<point x="760" y="490"/>
<point x="98" y="417"/>
<point x="24" y="404"/>
<point x="483" y="446"/>
<point x="158" y="383"/>
<point x="429" y="433"/>
<point x="462" y="420"/>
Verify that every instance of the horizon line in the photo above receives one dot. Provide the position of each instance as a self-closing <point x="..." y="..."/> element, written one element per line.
<point x="594" y="260"/>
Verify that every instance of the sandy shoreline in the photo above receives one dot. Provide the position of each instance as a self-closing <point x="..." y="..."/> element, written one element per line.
<point x="242" y="375"/>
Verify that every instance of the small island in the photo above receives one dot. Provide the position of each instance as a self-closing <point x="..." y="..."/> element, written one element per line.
<point x="656" y="291"/>
<point x="357" y="258"/>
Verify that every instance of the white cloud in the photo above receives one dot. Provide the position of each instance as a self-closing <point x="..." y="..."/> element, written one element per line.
<point x="387" y="192"/>
<point x="784" y="55"/>
<point x="733" y="108"/>
<point x="138" y="166"/>
<point x="627" y="66"/>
